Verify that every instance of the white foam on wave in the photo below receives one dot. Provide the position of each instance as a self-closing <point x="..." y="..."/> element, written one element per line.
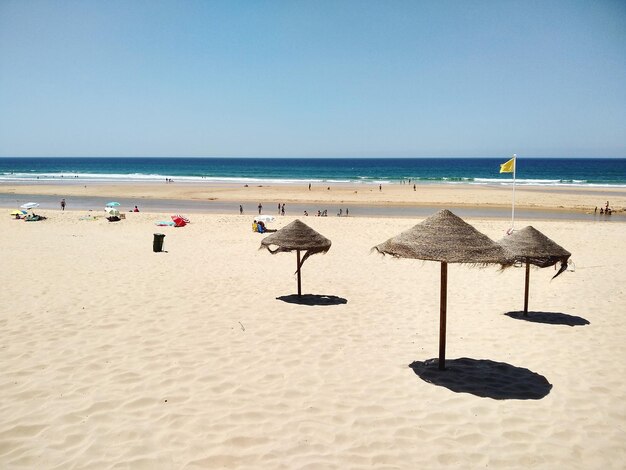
<point x="517" y="181"/>
<point x="142" y="177"/>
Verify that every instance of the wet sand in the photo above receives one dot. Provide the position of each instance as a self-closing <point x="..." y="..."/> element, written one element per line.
<point x="395" y="200"/>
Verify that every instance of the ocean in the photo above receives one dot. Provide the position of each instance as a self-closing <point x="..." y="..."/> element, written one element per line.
<point x="586" y="172"/>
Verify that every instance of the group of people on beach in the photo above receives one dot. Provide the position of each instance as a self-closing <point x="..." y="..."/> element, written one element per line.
<point x="281" y="208"/>
<point x="64" y="203"/>
<point x="604" y="210"/>
<point x="403" y="181"/>
<point x="324" y="213"/>
<point x="281" y="211"/>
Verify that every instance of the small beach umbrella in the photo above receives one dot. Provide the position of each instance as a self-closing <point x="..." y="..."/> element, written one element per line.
<point x="112" y="204"/>
<point x="297" y="236"/>
<point x="531" y="246"/>
<point x="112" y="211"/>
<point x="29" y="205"/>
<point x="445" y="238"/>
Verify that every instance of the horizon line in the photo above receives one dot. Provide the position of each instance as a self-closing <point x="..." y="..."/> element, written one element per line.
<point x="251" y="157"/>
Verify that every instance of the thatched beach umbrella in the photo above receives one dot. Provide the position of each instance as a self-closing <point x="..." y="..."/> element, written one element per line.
<point x="446" y="238"/>
<point x="533" y="247"/>
<point x="297" y="236"/>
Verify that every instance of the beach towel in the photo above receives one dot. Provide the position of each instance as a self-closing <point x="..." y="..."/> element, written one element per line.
<point x="34" y="218"/>
<point x="165" y="223"/>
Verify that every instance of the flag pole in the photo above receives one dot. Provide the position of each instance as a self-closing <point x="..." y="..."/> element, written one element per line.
<point x="513" y="207"/>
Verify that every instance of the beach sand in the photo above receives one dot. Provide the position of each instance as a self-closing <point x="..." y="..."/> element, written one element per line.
<point x="117" y="357"/>
<point x="557" y="199"/>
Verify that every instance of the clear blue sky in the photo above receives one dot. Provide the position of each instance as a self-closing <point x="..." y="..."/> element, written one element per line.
<point x="313" y="78"/>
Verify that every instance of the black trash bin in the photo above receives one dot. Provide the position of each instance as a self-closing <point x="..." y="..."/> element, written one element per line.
<point x="157" y="244"/>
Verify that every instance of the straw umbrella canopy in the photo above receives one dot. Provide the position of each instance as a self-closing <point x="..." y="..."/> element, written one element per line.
<point x="446" y="238"/>
<point x="533" y="247"/>
<point x="297" y="236"/>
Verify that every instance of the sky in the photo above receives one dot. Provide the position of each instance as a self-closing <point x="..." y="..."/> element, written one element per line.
<point x="313" y="78"/>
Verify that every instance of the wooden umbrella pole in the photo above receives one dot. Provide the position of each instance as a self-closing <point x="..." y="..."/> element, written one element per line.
<point x="526" y="288"/>
<point x="299" y="281"/>
<point x="443" y="300"/>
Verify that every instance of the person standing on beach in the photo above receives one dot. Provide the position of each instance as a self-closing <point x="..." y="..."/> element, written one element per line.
<point x="309" y="186"/>
<point x="380" y="187"/>
<point x="414" y="188"/>
<point x="282" y="211"/>
<point x="62" y="204"/>
<point x="240" y="209"/>
<point x="279" y="208"/>
<point x="260" y="208"/>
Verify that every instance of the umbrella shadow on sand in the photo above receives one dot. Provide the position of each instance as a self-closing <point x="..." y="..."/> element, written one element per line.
<point x="551" y="318"/>
<point x="484" y="378"/>
<point x="313" y="299"/>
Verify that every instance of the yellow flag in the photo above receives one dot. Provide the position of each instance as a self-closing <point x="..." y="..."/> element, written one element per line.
<point x="508" y="167"/>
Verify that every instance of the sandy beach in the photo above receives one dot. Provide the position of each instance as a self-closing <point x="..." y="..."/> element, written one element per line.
<point x="539" y="203"/>
<point x="117" y="357"/>
<point x="555" y="199"/>
<point x="360" y="120"/>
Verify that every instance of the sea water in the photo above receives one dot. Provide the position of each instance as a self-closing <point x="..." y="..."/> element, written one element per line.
<point x="575" y="172"/>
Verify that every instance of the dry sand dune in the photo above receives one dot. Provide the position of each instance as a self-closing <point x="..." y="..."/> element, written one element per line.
<point x="117" y="357"/>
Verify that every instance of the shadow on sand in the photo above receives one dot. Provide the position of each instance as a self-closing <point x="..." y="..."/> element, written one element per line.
<point x="312" y="299"/>
<point x="551" y="318"/>
<point x="484" y="378"/>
